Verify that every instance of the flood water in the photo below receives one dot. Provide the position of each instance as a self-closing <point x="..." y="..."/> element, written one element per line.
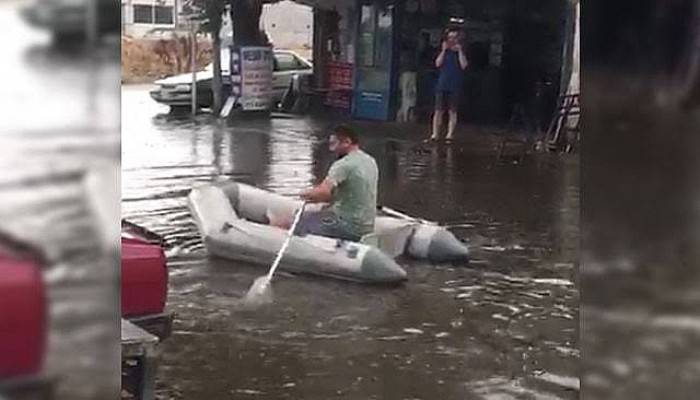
<point x="504" y="326"/>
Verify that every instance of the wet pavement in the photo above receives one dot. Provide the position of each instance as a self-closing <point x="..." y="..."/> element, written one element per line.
<point x="503" y="326"/>
<point x="60" y="121"/>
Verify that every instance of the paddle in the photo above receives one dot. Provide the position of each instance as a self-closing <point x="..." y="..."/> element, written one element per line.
<point x="393" y="213"/>
<point x="258" y="293"/>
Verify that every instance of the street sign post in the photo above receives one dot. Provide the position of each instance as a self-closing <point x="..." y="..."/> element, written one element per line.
<point x="251" y="77"/>
<point x="194" y="17"/>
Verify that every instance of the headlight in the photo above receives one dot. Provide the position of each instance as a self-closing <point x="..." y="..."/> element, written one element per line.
<point x="183" y="88"/>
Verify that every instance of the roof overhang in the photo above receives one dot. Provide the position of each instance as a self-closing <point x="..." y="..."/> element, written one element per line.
<point x="327" y="4"/>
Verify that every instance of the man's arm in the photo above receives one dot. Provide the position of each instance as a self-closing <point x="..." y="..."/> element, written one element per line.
<point x="441" y="57"/>
<point x="322" y="193"/>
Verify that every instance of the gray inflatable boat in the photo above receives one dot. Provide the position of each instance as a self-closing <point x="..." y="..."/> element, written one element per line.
<point x="233" y="219"/>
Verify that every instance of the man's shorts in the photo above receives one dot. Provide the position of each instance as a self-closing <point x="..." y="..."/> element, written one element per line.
<point x="324" y="223"/>
<point x="444" y="99"/>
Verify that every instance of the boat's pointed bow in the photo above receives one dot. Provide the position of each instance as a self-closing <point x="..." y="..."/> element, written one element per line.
<point x="444" y="247"/>
<point x="379" y="268"/>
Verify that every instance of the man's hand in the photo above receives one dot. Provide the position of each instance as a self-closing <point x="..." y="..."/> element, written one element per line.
<point x="306" y="195"/>
<point x="322" y="193"/>
<point x="457" y="47"/>
<point x="445" y="46"/>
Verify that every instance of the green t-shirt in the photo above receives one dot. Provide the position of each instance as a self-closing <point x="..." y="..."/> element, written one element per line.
<point x="355" y="179"/>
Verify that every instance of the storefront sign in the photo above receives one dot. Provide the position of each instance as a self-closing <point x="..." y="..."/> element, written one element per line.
<point x="251" y="77"/>
<point x="340" y="84"/>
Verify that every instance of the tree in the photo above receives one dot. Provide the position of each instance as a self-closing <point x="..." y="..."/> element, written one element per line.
<point x="245" y="19"/>
<point x="211" y="14"/>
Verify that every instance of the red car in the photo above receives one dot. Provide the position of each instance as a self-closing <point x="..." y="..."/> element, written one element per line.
<point x="144" y="280"/>
<point x="23" y="318"/>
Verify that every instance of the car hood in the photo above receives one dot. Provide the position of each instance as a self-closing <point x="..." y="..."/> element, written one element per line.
<point x="184" y="78"/>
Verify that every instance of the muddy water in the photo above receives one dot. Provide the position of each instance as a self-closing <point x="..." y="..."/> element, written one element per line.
<point x="503" y="326"/>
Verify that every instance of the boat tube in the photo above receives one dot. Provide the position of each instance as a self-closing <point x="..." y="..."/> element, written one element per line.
<point x="234" y="220"/>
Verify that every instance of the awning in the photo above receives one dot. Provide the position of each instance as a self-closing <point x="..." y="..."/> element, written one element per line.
<point x="327" y="4"/>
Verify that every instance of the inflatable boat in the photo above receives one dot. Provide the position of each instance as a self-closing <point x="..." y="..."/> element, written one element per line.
<point x="234" y="220"/>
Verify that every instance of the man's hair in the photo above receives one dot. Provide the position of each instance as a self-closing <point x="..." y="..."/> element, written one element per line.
<point x="344" y="131"/>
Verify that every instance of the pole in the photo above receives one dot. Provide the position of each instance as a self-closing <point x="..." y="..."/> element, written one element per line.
<point x="176" y="15"/>
<point x="91" y="33"/>
<point x="91" y="24"/>
<point x="193" y="56"/>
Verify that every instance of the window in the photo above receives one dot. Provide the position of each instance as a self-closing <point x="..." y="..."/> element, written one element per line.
<point x="142" y="14"/>
<point x="286" y="62"/>
<point x="145" y="14"/>
<point x="164" y="15"/>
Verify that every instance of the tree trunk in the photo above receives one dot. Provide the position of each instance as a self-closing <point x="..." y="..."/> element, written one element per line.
<point x="216" y="81"/>
<point x="245" y="19"/>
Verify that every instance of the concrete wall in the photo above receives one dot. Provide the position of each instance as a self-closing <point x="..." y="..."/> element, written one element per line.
<point x="139" y="30"/>
<point x="289" y="25"/>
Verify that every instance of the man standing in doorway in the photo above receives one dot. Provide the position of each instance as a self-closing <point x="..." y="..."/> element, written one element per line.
<point x="451" y="62"/>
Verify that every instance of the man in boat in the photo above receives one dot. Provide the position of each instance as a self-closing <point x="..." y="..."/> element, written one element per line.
<point x="350" y="189"/>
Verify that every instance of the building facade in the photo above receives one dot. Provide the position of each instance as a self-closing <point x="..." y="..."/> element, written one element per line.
<point x="516" y="53"/>
<point x="150" y="17"/>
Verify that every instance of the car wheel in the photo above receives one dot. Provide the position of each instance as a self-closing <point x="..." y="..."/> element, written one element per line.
<point x="67" y="39"/>
<point x="205" y="100"/>
<point x="180" y="110"/>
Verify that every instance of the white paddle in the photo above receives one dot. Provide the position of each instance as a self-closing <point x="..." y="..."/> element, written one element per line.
<point x="258" y="293"/>
<point x="396" y="214"/>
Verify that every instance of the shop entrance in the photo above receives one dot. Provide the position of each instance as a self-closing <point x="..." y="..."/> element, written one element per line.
<point x="374" y="77"/>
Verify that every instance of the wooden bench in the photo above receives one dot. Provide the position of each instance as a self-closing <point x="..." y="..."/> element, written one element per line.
<point x="160" y="325"/>
<point x="139" y="361"/>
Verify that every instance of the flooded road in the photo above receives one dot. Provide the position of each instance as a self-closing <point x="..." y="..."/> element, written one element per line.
<point x="503" y="326"/>
<point x="60" y="121"/>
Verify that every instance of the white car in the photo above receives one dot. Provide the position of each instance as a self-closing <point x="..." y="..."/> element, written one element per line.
<point x="66" y="19"/>
<point x="176" y="91"/>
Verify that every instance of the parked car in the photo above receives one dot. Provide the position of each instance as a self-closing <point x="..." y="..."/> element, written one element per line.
<point x="176" y="91"/>
<point x="165" y="33"/>
<point x="144" y="280"/>
<point x="67" y="19"/>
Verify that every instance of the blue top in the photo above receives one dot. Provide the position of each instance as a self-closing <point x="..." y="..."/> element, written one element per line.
<point x="451" y="73"/>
